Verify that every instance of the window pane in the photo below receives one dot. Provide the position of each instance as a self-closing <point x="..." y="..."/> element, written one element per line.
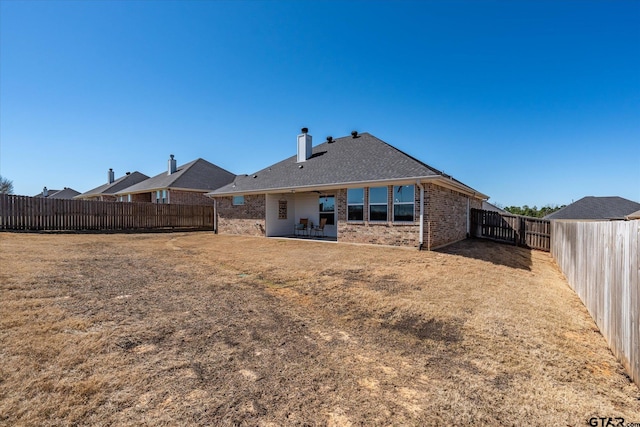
<point x="238" y="200"/>
<point x="378" y="195"/>
<point x="327" y="204"/>
<point x="355" y="196"/>
<point x="330" y="218"/>
<point x="378" y="212"/>
<point x="403" y="193"/>
<point x="403" y="212"/>
<point x="354" y="213"/>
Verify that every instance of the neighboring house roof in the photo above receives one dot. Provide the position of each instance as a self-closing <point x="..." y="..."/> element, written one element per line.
<point x="486" y="206"/>
<point x="198" y="175"/>
<point x="345" y="161"/>
<point x="117" y="185"/>
<point x="591" y="207"/>
<point x="66" y="193"/>
<point x="634" y="215"/>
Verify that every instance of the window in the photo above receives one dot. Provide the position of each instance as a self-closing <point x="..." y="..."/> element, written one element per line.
<point x="378" y="204"/>
<point x="128" y="197"/>
<point x="157" y="196"/>
<point x="164" y="197"/>
<point x="328" y="208"/>
<point x="403" y="203"/>
<point x="355" y="204"/>
<point x="238" y="200"/>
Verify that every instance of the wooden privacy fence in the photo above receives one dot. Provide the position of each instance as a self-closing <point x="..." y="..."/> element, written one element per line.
<point x="37" y="213"/>
<point x="534" y="233"/>
<point x="600" y="261"/>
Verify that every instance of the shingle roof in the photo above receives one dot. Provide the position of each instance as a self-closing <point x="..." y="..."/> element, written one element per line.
<point x="117" y="185"/>
<point x="198" y="175"/>
<point x="634" y="215"/>
<point x="591" y="207"/>
<point x="66" y="193"/>
<point x="346" y="160"/>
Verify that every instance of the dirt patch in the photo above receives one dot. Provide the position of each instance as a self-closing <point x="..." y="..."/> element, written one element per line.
<point x="221" y="330"/>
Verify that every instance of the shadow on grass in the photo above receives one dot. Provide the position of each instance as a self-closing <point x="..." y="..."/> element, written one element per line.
<point x="490" y="251"/>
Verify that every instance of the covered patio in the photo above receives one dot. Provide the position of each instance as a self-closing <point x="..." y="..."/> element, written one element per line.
<point x="305" y="215"/>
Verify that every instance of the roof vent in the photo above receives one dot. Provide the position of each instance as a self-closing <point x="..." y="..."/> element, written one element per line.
<point x="354" y="134"/>
<point x="255" y="176"/>
<point x="330" y="139"/>
<point x="128" y="173"/>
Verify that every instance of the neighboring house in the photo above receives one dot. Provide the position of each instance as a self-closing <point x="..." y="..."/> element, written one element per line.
<point x="486" y="206"/>
<point x="66" y="193"/>
<point x="634" y="215"/>
<point x="596" y="208"/>
<point x="366" y="190"/>
<point x="107" y="192"/>
<point x="185" y="185"/>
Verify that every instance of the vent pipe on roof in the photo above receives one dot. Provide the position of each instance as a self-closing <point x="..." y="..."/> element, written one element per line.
<point x="330" y="139"/>
<point x="304" y="145"/>
<point x="110" y="176"/>
<point x="172" y="165"/>
<point x="354" y="134"/>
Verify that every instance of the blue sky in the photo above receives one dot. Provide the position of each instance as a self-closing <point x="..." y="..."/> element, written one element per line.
<point x="529" y="102"/>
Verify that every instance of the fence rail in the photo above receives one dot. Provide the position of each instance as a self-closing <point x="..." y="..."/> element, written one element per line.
<point x="534" y="233"/>
<point x="37" y="213"/>
<point x="601" y="263"/>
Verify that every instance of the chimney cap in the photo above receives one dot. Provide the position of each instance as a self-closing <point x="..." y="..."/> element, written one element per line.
<point x="171" y="156"/>
<point x="354" y="134"/>
<point x="304" y="130"/>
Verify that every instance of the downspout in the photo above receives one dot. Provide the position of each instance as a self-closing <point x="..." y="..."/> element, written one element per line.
<point x="421" y="236"/>
<point x="468" y="214"/>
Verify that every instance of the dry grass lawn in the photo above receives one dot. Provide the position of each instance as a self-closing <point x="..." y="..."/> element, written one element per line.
<point x="203" y="329"/>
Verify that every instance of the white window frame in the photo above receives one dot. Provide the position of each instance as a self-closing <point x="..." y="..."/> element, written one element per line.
<point x="398" y="203"/>
<point x="386" y="204"/>
<point x="355" y="204"/>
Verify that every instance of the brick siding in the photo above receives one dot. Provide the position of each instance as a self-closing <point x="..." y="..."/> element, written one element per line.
<point x="445" y="216"/>
<point x="180" y="197"/>
<point x="247" y="219"/>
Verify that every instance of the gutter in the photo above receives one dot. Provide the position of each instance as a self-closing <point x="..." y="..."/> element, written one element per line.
<point x="421" y="235"/>
<point x="437" y="179"/>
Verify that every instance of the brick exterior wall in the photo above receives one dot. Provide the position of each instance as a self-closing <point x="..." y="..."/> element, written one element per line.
<point x="445" y="215"/>
<point x="248" y="219"/>
<point x="180" y="197"/>
<point x="141" y="197"/>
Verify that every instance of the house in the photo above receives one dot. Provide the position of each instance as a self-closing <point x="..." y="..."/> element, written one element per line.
<point x="596" y="208"/>
<point x="486" y="206"/>
<point x="107" y="192"/>
<point x="186" y="184"/>
<point x="634" y="215"/>
<point x="366" y="190"/>
<point x="66" y="193"/>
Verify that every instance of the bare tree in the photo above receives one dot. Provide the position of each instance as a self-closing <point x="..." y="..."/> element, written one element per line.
<point x="6" y="186"/>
